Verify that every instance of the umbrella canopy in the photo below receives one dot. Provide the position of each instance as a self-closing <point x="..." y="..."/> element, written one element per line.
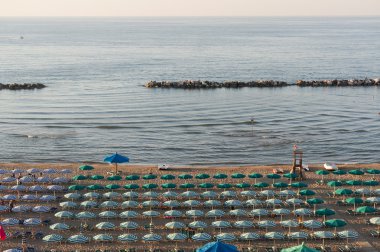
<point x="248" y="193"/>
<point x="312" y="224"/>
<point x="85" y="215"/>
<point x="78" y="239"/>
<point x="353" y="182"/>
<point x="111" y="195"/>
<point x="127" y="238"/>
<point x="131" y="186"/>
<point x="173" y="213"/>
<point x="202" y="176"/>
<point x="299" y="248"/>
<point x="114" y="178"/>
<point x="335" y="223"/>
<point x="105" y="225"/>
<point x="171" y="203"/>
<point x="206" y="185"/>
<point x="325" y="212"/>
<point x="151" y="213"/>
<point x="167" y="177"/>
<point x="334" y="183"/>
<point x="187" y="186"/>
<point x="215" y="213"/>
<point x="10" y="222"/>
<point x="233" y="203"/>
<point x="242" y="185"/>
<point x="366" y="209"/>
<point x="112" y="186"/>
<point x="32" y="222"/>
<point x="356" y="172"/>
<point x="95" y="187"/>
<point x="79" y="177"/>
<point x="189" y="194"/>
<point x="289" y="223"/>
<point x="197" y="224"/>
<point x="52" y="238"/>
<point x="116" y="159"/>
<point x="132" y="177"/>
<point x="169" y="194"/>
<point x="299" y="185"/>
<point x="97" y="177"/>
<point x="290" y="175"/>
<point x="266" y="224"/>
<point x="76" y="187"/>
<point x="41" y="209"/>
<point x="255" y="175"/>
<point x="237" y="176"/>
<point x="169" y="186"/>
<point x="64" y="214"/>
<point x="194" y="213"/>
<point x="107" y="214"/>
<point x="243" y="224"/>
<point x="86" y="168"/>
<point x="175" y="225"/>
<point x="238" y="212"/>
<point x="344" y="191"/>
<point x="68" y="204"/>
<point x="354" y="201"/>
<point x="371" y="182"/>
<point x="298" y="235"/>
<point x="228" y="194"/>
<point x="149" y="186"/>
<point x="151" y="237"/>
<point x="149" y="177"/>
<point x="273" y="176"/>
<point x="274" y="235"/>
<point x="225" y="237"/>
<point x="259" y="212"/>
<point x="322" y="172"/>
<point x="59" y="226"/>
<point x="209" y="194"/>
<point x="109" y="204"/>
<point x="249" y="236"/>
<point x="281" y="211"/>
<point x="220" y="176"/>
<point x="307" y="192"/>
<point x="372" y="171"/>
<point x="176" y="237"/>
<point x="185" y="176"/>
<point x="261" y="185"/>
<point x="280" y="185"/>
<point x="201" y="237"/>
<point x="315" y="201"/>
<point x="103" y="238"/>
<point x="324" y="234"/>
<point x="128" y="214"/>
<point x="217" y="246"/>
<point x="348" y="234"/>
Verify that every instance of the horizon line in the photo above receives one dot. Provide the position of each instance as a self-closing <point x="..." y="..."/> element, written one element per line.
<point x="188" y="16"/>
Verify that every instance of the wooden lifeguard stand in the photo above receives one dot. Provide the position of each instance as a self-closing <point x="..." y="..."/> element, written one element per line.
<point x="297" y="162"/>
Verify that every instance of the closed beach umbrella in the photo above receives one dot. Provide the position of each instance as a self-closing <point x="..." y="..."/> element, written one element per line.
<point x="312" y="224"/>
<point x="237" y="176"/>
<point x="105" y="226"/>
<point x="131" y="186"/>
<point x="185" y="176"/>
<point x="86" y="168"/>
<point x="132" y="177"/>
<point x="97" y="177"/>
<point x="197" y="224"/>
<point x="220" y="176"/>
<point x="116" y="159"/>
<point x="59" y="226"/>
<point x="175" y="225"/>
<point x="173" y="213"/>
<point x="127" y="238"/>
<point x="128" y="214"/>
<point x="225" y="237"/>
<point x="103" y="238"/>
<point x="107" y="214"/>
<point x="52" y="238"/>
<point x="151" y="238"/>
<point x="202" y="176"/>
<point x="201" y="237"/>
<point x="149" y="177"/>
<point x="356" y="172"/>
<point x="80" y="239"/>
<point x="85" y="215"/>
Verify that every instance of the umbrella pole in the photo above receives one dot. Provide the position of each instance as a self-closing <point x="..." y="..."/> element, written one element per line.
<point x="116" y="168"/>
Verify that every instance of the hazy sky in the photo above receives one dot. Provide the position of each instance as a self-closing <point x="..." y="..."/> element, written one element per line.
<point x="188" y="7"/>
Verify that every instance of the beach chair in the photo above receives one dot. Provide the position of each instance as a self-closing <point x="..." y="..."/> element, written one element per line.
<point x="374" y="233"/>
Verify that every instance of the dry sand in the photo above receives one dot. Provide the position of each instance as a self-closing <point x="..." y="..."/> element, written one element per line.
<point x="365" y="241"/>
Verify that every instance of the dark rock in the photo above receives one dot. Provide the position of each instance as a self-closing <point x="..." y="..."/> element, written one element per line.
<point x="19" y="86"/>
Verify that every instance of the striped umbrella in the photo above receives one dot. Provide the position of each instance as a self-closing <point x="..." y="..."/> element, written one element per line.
<point x="324" y="235"/>
<point x="36" y="188"/>
<point x="194" y="213"/>
<point x="44" y="180"/>
<point x="52" y="238"/>
<point x="55" y="188"/>
<point x="33" y="170"/>
<point x="250" y="236"/>
<point x="129" y="204"/>
<point x="273" y="202"/>
<point x="212" y="203"/>
<point x="66" y="171"/>
<point x="129" y="225"/>
<point x="171" y="203"/>
<point x="225" y="237"/>
<point x="243" y="224"/>
<point x="89" y="204"/>
<point x="131" y="195"/>
<point x="49" y="171"/>
<point x="312" y="224"/>
<point x="197" y="224"/>
<point x="286" y="193"/>
<point x="209" y="194"/>
<point x="68" y="204"/>
<point x="191" y="203"/>
<point x="32" y="222"/>
<point x="302" y="211"/>
<point x="78" y="239"/>
<point x="266" y="224"/>
<point x="373" y="200"/>
<point x="91" y="195"/>
<point x="105" y="226"/>
<point x="281" y="212"/>
<point x="298" y="235"/>
<point x="127" y="238"/>
<point x="48" y="198"/>
<point x="151" y="238"/>
<point x="175" y="225"/>
<point x="363" y="191"/>
<point x="151" y="195"/>
<point x="109" y="204"/>
<point x="59" y="226"/>
<point x="21" y="209"/>
<point x="274" y="236"/>
<point x="201" y="237"/>
<point x="18" y="188"/>
<point x="221" y="224"/>
<point x="233" y="203"/>
<point x="64" y="214"/>
<point x="111" y="195"/>
<point x="107" y="214"/>
<point x="248" y="193"/>
<point x="267" y="193"/>
<point x="348" y="234"/>
<point x="259" y="212"/>
<point x="151" y="213"/>
<point x="215" y="213"/>
<point x="10" y="222"/>
<point x="85" y="215"/>
<point x="128" y="214"/>
<point x="228" y="194"/>
<point x="254" y="202"/>
<point x="238" y="212"/>
<point x="150" y="203"/>
<point x="8" y="179"/>
<point x="289" y="223"/>
<point x="170" y="195"/>
<point x="176" y="237"/>
<point x="189" y="194"/>
<point x="173" y="213"/>
<point x="9" y="197"/>
<point x="3" y="208"/>
<point x="103" y="238"/>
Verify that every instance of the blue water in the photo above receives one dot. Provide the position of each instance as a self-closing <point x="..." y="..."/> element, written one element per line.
<point x="95" y="103"/>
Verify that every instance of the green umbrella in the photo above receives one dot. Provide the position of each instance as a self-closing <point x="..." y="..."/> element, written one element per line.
<point x="334" y="183"/>
<point x="261" y="185"/>
<point x="149" y="186"/>
<point x="339" y="172"/>
<point x="366" y="209"/>
<point x="187" y="185"/>
<point x="76" y="187"/>
<point x="335" y="223"/>
<point x="371" y="183"/>
<point x="237" y="176"/>
<point x="354" y="201"/>
<point x="114" y="177"/>
<point x="132" y="177"/>
<point x="169" y="186"/>
<point x="356" y="172"/>
<point x="242" y="185"/>
<point x="255" y="176"/>
<point x="185" y="176"/>
<point x="202" y="176"/>
<point x="299" y="248"/>
<point x="86" y="168"/>
<point x="307" y="192"/>
<point x="322" y="173"/>
<point x="220" y="176"/>
<point x="224" y="185"/>
<point x="372" y="171"/>
<point x="353" y="182"/>
<point x="343" y="191"/>
<point x="299" y="185"/>
<point x="149" y="176"/>
<point x="290" y="175"/>
<point x="168" y="177"/>
<point x="324" y="212"/>
<point x="113" y="186"/>
<point x="315" y="202"/>
<point x="206" y="185"/>
<point x="97" y="177"/>
<point x="280" y="185"/>
<point x="131" y="186"/>
<point x="79" y="177"/>
<point x="94" y="187"/>
<point x="273" y="176"/>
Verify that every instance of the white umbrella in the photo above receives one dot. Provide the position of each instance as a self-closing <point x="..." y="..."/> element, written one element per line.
<point x="151" y="237"/>
<point x="212" y="203"/>
<point x="175" y="225"/>
<point x="64" y="214"/>
<point x="209" y="194"/>
<point x="85" y="215"/>
<point x="170" y="194"/>
<point x="254" y="202"/>
<point x="151" y="195"/>
<point x="103" y="238"/>
<point x="191" y="203"/>
<point x="127" y="238"/>
<point x="312" y="224"/>
<point x="197" y="224"/>
<point x="225" y="237"/>
<point x="111" y="195"/>
<point x="194" y="213"/>
<point x="48" y="197"/>
<point x="238" y="212"/>
<point x="286" y="193"/>
<point x="266" y="224"/>
<point x="171" y="203"/>
<point x="173" y="213"/>
<point x="107" y="214"/>
<point x="10" y="222"/>
<point x="33" y="170"/>
<point x="109" y="204"/>
<point x="105" y="226"/>
<point x="129" y="225"/>
<point x="91" y="195"/>
<point x="151" y="213"/>
<point x="150" y="203"/>
<point x="259" y="212"/>
<point x="201" y="237"/>
<point x="68" y="204"/>
<point x="233" y="203"/>
<point x="88" y="204"/>
<point x="228" y="194"/>
<point x="60" y="180"/>
<point x="220" y="224"/>
<point x="32" y="222"/>
<point x="130" y="194"/>
<point x="243" y="224"/>
<point x="29" y="197"/>
<point x="249" y="236"/>
<point x="189" y="194"/>
<point x="248" y="193"/>
<point x="128" y="214"/>
<point x="72" y="196"/>
<point x="176" y="237"/>
<point x="59" y="226"/>
<point x="302" y="211"/>
<point x="78" y="239"/>
<point x="52" y="238"/>
<point x="267" y="193"/>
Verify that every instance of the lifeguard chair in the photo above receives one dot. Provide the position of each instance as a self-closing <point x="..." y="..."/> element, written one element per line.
<point x="297" y="162"/>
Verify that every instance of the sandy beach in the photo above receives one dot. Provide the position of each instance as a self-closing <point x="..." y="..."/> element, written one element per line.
<point x="365" y="242"/>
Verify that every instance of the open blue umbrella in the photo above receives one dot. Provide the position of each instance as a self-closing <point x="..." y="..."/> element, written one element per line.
<point x="217" y="246"/>
<point x="116" y="159"/>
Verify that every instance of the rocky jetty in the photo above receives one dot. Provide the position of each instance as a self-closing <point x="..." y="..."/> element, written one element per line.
<point x="22" y="86"/>
<point x="198" y="84"/>
<point x="338" y="83"/>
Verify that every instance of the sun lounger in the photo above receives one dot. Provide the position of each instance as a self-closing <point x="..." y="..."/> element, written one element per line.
<point x="374" y="233"/>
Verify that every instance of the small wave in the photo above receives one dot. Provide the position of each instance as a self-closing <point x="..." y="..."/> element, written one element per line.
<point x="117" y="127"/>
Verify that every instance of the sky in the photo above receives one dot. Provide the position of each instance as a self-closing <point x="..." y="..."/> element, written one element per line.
<point x="189" y="8"/>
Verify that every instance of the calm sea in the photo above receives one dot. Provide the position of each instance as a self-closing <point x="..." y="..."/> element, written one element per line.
<point x="95" y="103"/>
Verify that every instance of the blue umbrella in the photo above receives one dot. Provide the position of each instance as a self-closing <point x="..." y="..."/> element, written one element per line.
<point x="217" y="246"/>
<point x="116" y="159"/>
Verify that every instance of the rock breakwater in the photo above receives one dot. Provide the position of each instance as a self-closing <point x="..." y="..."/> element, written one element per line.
<point x="22" y="86"/>
<point x="197" y="84"/>
<point x="338" y="83"/>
